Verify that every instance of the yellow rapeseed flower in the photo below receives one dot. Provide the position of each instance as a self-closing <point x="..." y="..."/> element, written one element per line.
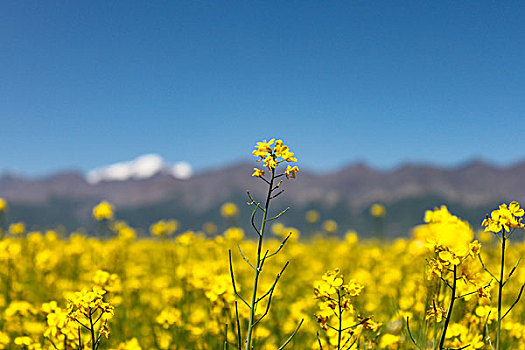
<point x="504" y="218"/>
<point x="258" y="172"/>
<point x="330" y="226"/>
<point x="102" y="211"/>
<point x="377" y="210"/>
<point x="3" y="205"/>
<point x="229" y="210"/>
<point x="235" y="234"/>
<point x="389" y="341"/>
<point x="163" y="228"/>
<point x="291" y="171"/>
<point x="4" y="340"/>
<point x="312" y="216"/>
<point x="132" y="344"/>
<point x="272" y="155"/>
<point x="18" y="228"/>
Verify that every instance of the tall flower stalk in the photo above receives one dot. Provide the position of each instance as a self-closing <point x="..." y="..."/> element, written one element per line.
<point x="450" y="239"/>
<point x="272" y="155"/>
<point x="503" y="222"/>
<point x="338" y="315"/>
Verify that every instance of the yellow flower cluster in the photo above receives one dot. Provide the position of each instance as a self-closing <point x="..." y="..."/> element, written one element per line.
<point x="273" y="155"/>
<point x="449" y="237"/>
<point x="86" y="303"/>
<point x="504" y="218"/>
<point x="164" y="228"/>
<point x="60" y="329"/>
<point x="335" y="302"/>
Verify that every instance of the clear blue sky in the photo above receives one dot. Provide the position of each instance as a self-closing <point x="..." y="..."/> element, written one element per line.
<point x="89" y="83"/>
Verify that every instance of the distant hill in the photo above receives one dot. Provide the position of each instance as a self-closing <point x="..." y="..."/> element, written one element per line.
<point x="470" y="191"/>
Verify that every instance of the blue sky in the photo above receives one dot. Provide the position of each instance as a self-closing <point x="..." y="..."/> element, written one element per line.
<point x="84" y="84"/>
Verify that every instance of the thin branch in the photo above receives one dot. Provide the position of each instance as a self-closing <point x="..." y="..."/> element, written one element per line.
<point x="51" y="342"/>
<point x="470" y="293"/>
<point x="352" y="344"/>
<point x="253" y="202"/>
<point x="485" y="268"/>
<point x="355" y="325"/>
<point x="83" y="325"/>
<point x="319" y="341"/>
<point x="226" y="336"/>
<point x="281" y="246"/>
<point x="515" y="301"/>
<point x="277" y="194"/>
<point x="347" y="340"/>
<point x="278" y="216"/>
<point x="99" y="317"/>
<point x="446" y="282"/>
<point x="411" y="336"/>
<point x="461" y="348"/>
<point x="239" y="337"/>
<point x="512" y="271"/>
<point x="262" y="178"/>
<point x="510" y="233"/>
<point x="233" y="280"/>
<point x="291" y="336"/>
<point x="274" y="283"/>
<point x="332" y="327"/>
<point x="277" y="186"/>
<point x="242" y="254"/>
<point x="270" y="294"/>
<point x="487" y="335"/>
<point x="253" y="221"/>
<point x="263" y="260"/>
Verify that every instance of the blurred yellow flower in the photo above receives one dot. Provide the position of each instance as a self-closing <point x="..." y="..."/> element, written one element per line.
<point x="351" y="237"/>
<point x="3" y="205"/>
<point x="164" y="228"/>
<point x="234" y="234"/>
<point x="4" y="340"/>
<point x="312" y="216"/>
<point x="377" y="210"/>
<point x="389" y="341"/>
<point x="102" y="211"/>
<point x="132" y="344"/>
<point x="209" y="228"/>
<point x="330" y="226"/>
<point x="17" y="228"/>
<point x="229" y="210"/>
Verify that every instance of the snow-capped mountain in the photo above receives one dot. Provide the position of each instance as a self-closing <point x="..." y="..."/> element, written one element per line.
<point x="142" y="167"/>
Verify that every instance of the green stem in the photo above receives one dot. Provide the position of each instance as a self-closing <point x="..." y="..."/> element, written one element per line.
<point x="92" y="329"/>
<point x="339" y="331"/>
<point x="500" y="288"/>
<point x="449" y="311"/>
<point x="251" y="321"/>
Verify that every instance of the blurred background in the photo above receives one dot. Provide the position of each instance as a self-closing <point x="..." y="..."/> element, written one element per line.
<point x="156" y="108"/>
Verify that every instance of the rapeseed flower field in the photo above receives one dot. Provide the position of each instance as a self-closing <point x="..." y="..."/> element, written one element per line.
<point x="448" y="285"/>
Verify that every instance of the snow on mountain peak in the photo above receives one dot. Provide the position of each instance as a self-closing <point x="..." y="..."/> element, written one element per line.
<point x="142" y="167"/>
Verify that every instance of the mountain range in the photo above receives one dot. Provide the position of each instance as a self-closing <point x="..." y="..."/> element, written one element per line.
<point x="470" y="191"/>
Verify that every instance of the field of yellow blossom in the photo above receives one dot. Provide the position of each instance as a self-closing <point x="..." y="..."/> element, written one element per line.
<point x="448" y="285"/>
<point x="174" y="291"/>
